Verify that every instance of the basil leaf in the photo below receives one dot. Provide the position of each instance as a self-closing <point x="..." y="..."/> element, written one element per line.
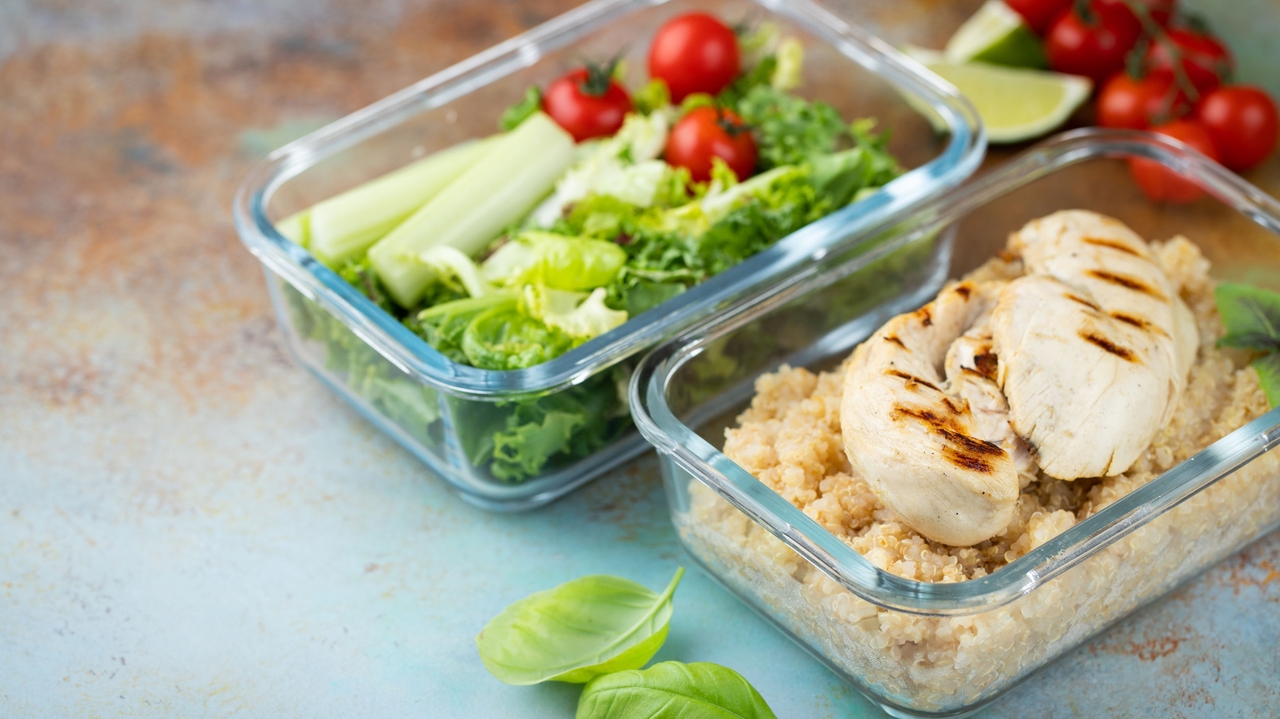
<point x="672" y="690"/>
<point x="1251" y="315"/>
<point x="577" y="631"/>
<point x="1268" y="368"/>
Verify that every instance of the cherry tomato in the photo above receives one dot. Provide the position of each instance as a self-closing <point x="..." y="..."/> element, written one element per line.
<point x="1205" y="60"/>
<point x="1159" y="182"/>
<point x="1039" y="14"/>
<point x="1094" y="46"/>
<point x="1243" y="124"/>
<point x="587" y="103"/>
<point x="1126" y="102"/>
<point x="708" y="132"/>
<point x="694" y="52"/>
<point x="1160" y="10"/>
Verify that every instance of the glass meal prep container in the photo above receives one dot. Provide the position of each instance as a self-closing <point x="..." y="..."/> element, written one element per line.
<point x="946" y="649"/>
<point x="452" y="416"/>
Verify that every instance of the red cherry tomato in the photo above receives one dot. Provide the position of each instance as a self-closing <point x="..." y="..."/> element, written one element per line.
<point x="1160" y="10"/>
<point x="1205" y="60"/>
<point x="1162" y="184"/>
<point x="1125" y="102"/>
<point x="694" y="52"/>
<point x="1243" y="124"/>
<point x="708" y="132"/>
<point x="587" y="103"/>
<point x="1039" y="14"/>
<point x="1094" y="46"/>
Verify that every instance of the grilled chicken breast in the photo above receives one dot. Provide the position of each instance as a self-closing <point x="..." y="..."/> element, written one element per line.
<point x="908" y="431"/>
<point x="1070" y="369"/>
<point x="1094" y="344"/>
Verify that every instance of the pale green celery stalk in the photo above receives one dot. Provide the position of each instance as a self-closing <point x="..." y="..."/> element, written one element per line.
<point x="518" y="169"/>
<point x="296" y="228"/>
<point x="345" y="225"/>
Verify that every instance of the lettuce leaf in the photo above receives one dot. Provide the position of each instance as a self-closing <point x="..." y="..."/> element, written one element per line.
<point x="562" y="262"/>
<point x="504" y="338"/>
<point x="569" y="424"/>
<point x="789" y="130"/>
<point x="577" y="314"/>
<point x="443" y="326"/>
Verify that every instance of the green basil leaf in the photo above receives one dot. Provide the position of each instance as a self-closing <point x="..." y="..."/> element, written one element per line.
<point x="1268" y="368"/>
<point x="579" y="630"/>
<point x="1251" y="315"/>
<point x="672" y="690"/>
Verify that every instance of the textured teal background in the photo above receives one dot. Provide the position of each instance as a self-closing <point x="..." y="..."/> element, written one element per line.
<point x="190" y="525"/>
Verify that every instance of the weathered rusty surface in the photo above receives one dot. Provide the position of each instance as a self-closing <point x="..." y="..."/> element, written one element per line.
<point x="192" y="526"/>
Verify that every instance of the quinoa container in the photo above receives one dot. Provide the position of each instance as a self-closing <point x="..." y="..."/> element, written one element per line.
<point x="452" y="416"/>
<point x="946" y="649"/>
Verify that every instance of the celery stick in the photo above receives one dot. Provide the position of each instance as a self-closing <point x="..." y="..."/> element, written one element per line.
<point x="518" y="170"/>
<point x="296" y="227"/>
<point x="345" y="225"/>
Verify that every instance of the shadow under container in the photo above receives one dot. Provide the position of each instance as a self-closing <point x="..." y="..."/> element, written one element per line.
<point x="925" y="649"/>
<point x="478" y="429"/>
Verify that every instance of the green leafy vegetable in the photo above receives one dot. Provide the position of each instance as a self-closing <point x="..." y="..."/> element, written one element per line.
<point x="505" y="338"/>
<point x="449" y="263"/>
<point x="1252" y="318"/>
<point x="655" y="95"/>
<point x="1251" y="315"/>
<point x="522" y="438"/>
<point x="786" y="76"/>
<point x="789" y="129"/>
<point x="443" y="326"/>
<point x="519" y="112"/>
<point x="577" y="314"/>
<point x="671" y="690"/>
<point x="577" y="631"/>
<point x="558" y="261"/>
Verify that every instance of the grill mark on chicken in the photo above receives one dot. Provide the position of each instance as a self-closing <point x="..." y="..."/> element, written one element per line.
<point x="1130" y="283"/>
<point x="966" y="461"/>
<point x="925" y="317"/>
<point x="911" y="379"/>
<point x="1138" y="322"/>
<point x="964" y="290"/>
<point x="951" y="406"/>
<point x="935" y="422"/>
<point x="1113" y="244"/>
<point x="961" y="450"/>
<point x="972" y="444"/>
<point x="1107" y="345"/>
<point x="987" y="364"/>
<point x="1077" y="298"/>
<point x="894" y="339"/>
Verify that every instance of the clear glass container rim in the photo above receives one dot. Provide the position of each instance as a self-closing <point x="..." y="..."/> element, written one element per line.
<point x="961" y="156"/>
<point x="840" y="562"/>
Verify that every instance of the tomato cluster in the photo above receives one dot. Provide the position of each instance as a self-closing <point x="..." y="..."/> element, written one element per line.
<point x="692" y="53"/>
<point x="1157" y="70"/>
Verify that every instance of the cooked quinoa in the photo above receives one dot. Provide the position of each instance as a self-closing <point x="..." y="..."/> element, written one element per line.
<point x="790" y="440"/>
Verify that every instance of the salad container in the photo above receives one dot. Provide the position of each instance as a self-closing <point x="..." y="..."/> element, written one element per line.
<point x="945" y="649"/>
<point x="493" y="434"/>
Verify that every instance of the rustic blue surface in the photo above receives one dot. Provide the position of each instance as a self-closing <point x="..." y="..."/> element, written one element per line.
<point x="192" y="526"/>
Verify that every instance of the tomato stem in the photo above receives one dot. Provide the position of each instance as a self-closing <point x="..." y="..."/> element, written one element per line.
<point x="1156" y="34"/>
<point x="599" y="76"/>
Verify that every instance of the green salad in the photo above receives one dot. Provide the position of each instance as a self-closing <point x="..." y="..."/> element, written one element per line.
<point x="593" y="205"/>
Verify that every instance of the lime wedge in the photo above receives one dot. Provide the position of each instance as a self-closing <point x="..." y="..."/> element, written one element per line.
<point x="998" y="35"/>
<point x="1015" y="104"/>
